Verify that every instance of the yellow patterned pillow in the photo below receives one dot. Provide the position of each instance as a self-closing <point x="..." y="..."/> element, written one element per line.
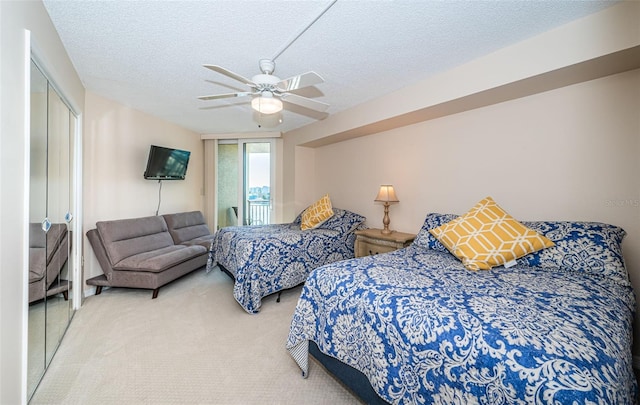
<point x="487" y="236"/>
<point x="316" y="214"/>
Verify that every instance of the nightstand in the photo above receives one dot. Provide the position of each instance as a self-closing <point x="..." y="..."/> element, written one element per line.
<point x="373" y="241"/>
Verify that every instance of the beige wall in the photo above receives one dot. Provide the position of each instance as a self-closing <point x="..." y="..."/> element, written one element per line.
<point x="16" y="18"/>
<point x="116" y="147"/>
<point x="570" y="153"/>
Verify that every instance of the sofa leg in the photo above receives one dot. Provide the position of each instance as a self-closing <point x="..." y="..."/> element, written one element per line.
<point x="65" y="294"/>
<point x="98" y="289"/>
<point x="155" y="293"/>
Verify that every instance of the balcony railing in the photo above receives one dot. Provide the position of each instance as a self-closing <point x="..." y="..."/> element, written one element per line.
<point x="258" y="212"/>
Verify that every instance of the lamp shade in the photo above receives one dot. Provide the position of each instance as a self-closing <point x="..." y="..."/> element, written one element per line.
<point x="266" y="103"/>
<point x="268" y="120"/>
<point x="387" y="194"/>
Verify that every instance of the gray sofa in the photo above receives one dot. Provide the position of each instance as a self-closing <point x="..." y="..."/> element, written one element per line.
<point x="189" y="228"/>
<point x="149" y="252"/>
<point x="48" y="253"/>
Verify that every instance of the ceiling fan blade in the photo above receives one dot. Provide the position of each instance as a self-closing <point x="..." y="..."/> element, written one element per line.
<point x="300" y="81"/>
<point x="305" y="102"/>
<point x="226" y="95"/>
<point x="230" y="74"/>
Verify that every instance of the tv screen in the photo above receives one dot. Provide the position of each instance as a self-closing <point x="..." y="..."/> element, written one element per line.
<point x="166" y="163"/>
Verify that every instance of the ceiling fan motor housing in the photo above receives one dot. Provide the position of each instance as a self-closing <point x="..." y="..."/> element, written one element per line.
<point x="267" y="66"/>
<point x="265" y="82"/>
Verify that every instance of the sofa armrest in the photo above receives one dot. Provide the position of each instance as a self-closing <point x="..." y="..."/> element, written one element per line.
<point x="100" y="252"/>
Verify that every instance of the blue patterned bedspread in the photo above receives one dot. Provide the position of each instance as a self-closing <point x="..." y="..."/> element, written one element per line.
<point x="423" y="329"/>
<point x="265" y="259"/>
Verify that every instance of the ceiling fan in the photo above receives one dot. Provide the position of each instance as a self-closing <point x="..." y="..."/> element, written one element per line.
<point x="268" y="91"/>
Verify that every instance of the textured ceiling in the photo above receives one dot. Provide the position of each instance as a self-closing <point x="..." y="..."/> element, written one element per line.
<point x="148" y="55"/>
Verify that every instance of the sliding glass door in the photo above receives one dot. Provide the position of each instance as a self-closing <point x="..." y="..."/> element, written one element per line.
<point x="227" y="183"/>
<point x="256" y="187"/>
<point x="245" y="182"/>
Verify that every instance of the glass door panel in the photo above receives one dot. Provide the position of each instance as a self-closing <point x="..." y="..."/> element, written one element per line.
<point x="257" y="204"/>
<point x="227" y="184"/>
<point x="245" y="182"/>
<point x="58" y="208"/>
<point x="37" y="236"/>
<point x="69" y="216"/>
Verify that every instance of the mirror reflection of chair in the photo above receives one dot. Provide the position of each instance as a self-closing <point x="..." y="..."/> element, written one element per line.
<point x="48" y="253"/>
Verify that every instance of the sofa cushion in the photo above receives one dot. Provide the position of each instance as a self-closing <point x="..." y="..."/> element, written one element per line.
<point x="38" y="260"/>
<point x="53" y="237"/>
<point x="36" y="235"/>
<point x="160" y="259"/>
<point x="204" y="241"/>
<point x="124" y="238"/>
<point x="188" y="228"/>
<point x="36" y="264"/>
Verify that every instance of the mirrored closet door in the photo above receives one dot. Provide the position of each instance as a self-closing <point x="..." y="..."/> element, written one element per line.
<point x="53" y="126"/>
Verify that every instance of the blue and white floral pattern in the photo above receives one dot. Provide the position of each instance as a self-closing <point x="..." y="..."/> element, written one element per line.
<point x="428" y="241"/>
<point x="265" y="259"/>
<point x="592" y="247"/>
<point x="425" y="330"/>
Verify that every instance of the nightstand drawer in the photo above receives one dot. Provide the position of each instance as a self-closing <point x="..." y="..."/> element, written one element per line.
<point x="369" y="247"/>
<point x="373" y="242"/>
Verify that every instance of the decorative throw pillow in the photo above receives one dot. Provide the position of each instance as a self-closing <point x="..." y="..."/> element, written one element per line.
<point x="343" y="221"/>
<point x="317" y="213"/>
<point x="590" y="247"/>
<point x="487" y="236"/>
<point x="425" y="239"/>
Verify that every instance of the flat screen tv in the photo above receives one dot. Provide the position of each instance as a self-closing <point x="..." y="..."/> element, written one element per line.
<point x="166" y="163"/>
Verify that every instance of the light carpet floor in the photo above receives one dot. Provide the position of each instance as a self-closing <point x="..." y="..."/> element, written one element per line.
<point x="194" y="344"/>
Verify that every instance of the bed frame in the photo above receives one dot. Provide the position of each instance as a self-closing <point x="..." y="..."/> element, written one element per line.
<point x="353" y="379"/>
<point x="228" y="273"/>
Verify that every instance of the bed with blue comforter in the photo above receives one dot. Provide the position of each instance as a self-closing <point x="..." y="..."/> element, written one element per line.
<point x="556" y="328"/>
<point x="265" y="259"/>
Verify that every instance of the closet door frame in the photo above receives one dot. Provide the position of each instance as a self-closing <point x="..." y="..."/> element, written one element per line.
<point x="75" y="205"/>
<point x="76" y="180"/>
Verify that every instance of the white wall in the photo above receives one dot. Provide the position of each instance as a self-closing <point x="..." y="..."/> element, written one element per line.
<point x="116" y="147"/>
<point x="15" y="18"/>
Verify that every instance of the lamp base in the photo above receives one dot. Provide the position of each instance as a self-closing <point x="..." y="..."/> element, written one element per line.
<point x="385" y="220"/>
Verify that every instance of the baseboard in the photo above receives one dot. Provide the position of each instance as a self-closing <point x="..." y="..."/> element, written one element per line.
<point x="89" y="291"/>
<point x="92" y="291"/>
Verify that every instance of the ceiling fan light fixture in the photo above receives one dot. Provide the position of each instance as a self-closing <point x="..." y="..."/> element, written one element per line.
<point x="266" y="103"/>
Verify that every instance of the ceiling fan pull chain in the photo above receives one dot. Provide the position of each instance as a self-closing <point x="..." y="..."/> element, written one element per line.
<point x="303" y="31"/>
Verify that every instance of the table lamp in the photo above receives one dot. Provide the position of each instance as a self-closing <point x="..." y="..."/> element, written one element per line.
<point x="386" y="195"/>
